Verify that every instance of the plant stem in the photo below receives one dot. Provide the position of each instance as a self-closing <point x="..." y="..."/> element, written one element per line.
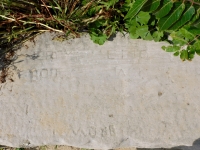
<point x="52" y="29"/>
<point x="193" y="2"/>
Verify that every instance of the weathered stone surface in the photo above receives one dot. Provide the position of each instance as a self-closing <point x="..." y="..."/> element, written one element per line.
<point x="126" y="93"/>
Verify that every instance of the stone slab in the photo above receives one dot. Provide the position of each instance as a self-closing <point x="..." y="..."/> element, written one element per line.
<point x="126" y="93"/>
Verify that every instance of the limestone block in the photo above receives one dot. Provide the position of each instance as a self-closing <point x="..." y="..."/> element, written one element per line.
<point x="126" y="93"/>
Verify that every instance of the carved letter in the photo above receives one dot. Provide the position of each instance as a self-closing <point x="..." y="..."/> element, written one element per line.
<point x="104" y="132"/>
<point x="112" y="130"/>
<point x="34" y="75"/>
<point x="44" y="73"/>
<point x="92" y="132"/>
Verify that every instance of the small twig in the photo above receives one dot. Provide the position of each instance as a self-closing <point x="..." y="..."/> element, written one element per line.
<point x="87" y="6"/>
<point x="59" y="21"/>
<point x="33" y="23"/>
<point x="7" y="18"/>
<point x="73" y="6"/>
<point x="49" y="6"/>
<point x="196" y="38"/>
<point x="46" y="8"/>
<point x="90" y="20"/>
<point x="43" y="26"/>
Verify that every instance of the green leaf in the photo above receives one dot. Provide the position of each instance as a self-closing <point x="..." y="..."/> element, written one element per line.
<point x="98" y="23"/>
<point x="184" y="18"/>
<point x="195" y="17"/>
<point x="176" y="39"/>
<point x="133" y="36"/>
<point x="166" y="22"/>
<point x="191" y="53"/>
<point x="194" y="31"/>
<point x="165" y="9"/>
<point x="163" y="47"/>
<point x="151" y="6"/>
<point x="92" y="11"/>
<point x="197" y="24"/>
<point x="142" y="31"/>
<point x="196" y="47"/>
<point x="171" y="48"/>
<point x="132" y="26"/>
<point x="190" y="56"/>
<point x="135" y="9"/>
<point x="157" y="35"/>
<point x="176" y="53"/>
<point x="58" y="6"/>
<point x="98" y="39"/>
<point x="184" y="33"/>
<point x="148" y="37"/>
<point x="126" y="6"/>
<point x="132" y="32"/>
<point x="184" y="55"/>
<point x="198" y="52"/>
<point x="109" y="3"/>
<point x="143" y="17"/>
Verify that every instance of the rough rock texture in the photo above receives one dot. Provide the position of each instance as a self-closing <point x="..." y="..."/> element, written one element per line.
<point x="126" y="93"/>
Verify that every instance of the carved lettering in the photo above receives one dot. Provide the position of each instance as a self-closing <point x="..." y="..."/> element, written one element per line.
<point x="43" y="73"/>
<point x="92" y="132"/>
<point x="26" y="75"/>
<point x="53" y="72"/>
<point x="47" y="55"/>
<point x="112" y="130"/>
<point x="34" y="75"/>
<point x="104" y="132"/>
<point x="79" y="132"/>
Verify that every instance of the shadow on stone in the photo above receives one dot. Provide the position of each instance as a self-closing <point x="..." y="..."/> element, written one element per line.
<point x="195" y="146"/>
<point x="6" y="61"/>
<point x="159" y="149"/>
<point x="111" y="38"/>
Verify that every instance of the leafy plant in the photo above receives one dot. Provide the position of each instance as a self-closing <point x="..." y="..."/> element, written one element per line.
<point x="146" y="19"/>
<point x="177" y="19"/>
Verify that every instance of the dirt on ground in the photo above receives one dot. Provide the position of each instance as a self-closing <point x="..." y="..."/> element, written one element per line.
<point x="74" y="148"/>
